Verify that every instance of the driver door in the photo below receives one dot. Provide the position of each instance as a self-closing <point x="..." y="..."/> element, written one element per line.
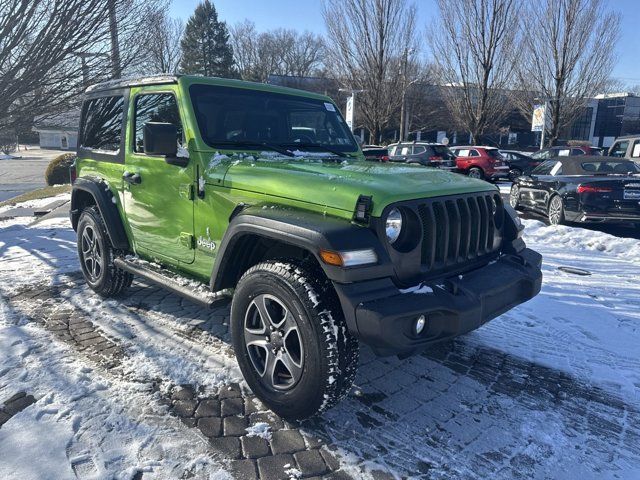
<point x="159" y="201"/>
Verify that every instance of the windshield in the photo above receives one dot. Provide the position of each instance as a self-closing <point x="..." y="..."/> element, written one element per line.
<point x="253" y="119"/>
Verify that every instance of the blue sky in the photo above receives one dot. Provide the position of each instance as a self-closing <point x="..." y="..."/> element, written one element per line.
<point x="305" y="15"/>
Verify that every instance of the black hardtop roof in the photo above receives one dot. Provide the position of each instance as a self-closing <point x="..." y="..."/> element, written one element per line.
<point x="133" y="82"/>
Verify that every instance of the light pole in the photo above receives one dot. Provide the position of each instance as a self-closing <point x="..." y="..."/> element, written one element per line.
<point x="403" y="106"/>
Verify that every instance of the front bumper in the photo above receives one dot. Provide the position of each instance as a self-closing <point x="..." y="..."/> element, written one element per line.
<point x="383" y="317"/>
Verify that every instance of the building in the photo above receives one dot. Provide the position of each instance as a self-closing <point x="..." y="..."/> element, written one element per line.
<point x="58" y="131"/>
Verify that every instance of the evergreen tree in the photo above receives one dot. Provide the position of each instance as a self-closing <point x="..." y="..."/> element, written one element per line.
<point x="205" y="45"/>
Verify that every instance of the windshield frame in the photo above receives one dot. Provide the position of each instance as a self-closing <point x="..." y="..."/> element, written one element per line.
<point x="352" y="147"/>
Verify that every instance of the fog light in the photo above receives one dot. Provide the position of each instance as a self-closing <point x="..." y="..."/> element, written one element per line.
<point x="420" y="323"/>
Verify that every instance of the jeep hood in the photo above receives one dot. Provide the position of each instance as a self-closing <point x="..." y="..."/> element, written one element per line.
<point x="338" y="184"/>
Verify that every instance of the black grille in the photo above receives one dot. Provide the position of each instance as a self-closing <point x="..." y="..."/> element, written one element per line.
<point x="458" y="230"/>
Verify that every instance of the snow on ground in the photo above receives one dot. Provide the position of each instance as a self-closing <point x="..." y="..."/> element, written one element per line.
<point x="547" y="390"/>
<point x="106" y="428"/>
<point x="37" y="203"/>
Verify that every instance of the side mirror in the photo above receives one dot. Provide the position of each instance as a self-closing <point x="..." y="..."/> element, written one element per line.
<point x="160" y="139"/>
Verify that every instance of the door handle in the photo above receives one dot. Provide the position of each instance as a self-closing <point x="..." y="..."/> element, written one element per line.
<point x="132" y="178"/>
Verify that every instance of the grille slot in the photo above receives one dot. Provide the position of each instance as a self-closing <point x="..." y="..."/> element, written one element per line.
<point x="458" y="230"/>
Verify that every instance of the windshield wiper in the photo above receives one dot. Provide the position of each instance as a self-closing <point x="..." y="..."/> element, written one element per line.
<point x="248" y="144"/>
<point x="314" y="145"/>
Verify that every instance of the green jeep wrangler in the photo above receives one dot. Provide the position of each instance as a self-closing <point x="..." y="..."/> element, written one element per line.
<point x="226" y="190"/>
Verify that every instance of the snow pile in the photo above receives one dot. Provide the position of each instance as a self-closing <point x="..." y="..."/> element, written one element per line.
<point x="417" y="289"/>
<point x="575" y="239"/>
<point x="260" y="429"/>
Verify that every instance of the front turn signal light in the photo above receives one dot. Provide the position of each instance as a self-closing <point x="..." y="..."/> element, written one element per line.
<point x="349" y="258"/>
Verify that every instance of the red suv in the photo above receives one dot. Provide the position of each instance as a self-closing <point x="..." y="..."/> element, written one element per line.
<point x="481" y="162"/>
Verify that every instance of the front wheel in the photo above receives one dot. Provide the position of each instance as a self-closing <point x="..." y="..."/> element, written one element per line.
<point x="514" y="196"/>
<point x="291" y="339"/>
<point x="555" y="211"/>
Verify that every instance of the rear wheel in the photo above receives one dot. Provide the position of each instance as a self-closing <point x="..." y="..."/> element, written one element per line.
<point x="475" y="172"/>
<point x="291" y="340"/>
<point x="555" y="211"/>
<point x="96" y="256"/>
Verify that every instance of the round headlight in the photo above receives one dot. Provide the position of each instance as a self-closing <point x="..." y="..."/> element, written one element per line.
<point x="393" y="225"/>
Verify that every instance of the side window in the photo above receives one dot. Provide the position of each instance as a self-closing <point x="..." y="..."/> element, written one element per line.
<point x="102" y="123"/>
<point x="474" y="153"/>
<point x="418" y="150"/>
<point x="619" y="149"/>
<point x="577" y="151"/>
<point x="463" y="153"/>
<point x="565" y="152"/>
<point x="155" y="107"/>
<point x="635" y="153"/>
<point x="392" y="151"/>
<point x="405" y="151"/>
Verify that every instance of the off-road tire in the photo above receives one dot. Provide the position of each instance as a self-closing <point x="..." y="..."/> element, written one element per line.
<point x="475" y="172"/>
<point x="108" y="281"/>
<point x="330" y="358"/>
<point x="555" y="211"/>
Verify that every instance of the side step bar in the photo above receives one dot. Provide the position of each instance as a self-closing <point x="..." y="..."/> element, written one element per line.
<point x="196" y="292"/>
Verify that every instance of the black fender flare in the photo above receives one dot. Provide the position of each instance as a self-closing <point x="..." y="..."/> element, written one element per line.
<point x="102" y="197"/>
<point x="303" y="229"/>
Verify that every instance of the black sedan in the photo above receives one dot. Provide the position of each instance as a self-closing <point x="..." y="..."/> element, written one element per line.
<point x="518" y="163"/>
<point x="581" y="189"/>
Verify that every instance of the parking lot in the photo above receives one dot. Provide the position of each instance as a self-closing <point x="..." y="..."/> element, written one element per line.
<point x="148" y="384"/>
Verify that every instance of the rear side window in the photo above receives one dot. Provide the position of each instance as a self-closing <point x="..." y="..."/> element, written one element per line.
<point x="418" y="149"/>
<point x="102" y="124"/>
<point x="579" y="151"/>
<point x="155" y="107"/>
<point x="474" y="153"/>
<point x="619" y="149"/>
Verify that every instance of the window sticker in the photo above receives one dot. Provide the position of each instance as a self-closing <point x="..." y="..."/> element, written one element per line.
<point x="636" y="150"/>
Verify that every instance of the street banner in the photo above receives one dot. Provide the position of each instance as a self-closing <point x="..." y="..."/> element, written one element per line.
<point x="349" y="113"/>
<point x="539" y="118"/>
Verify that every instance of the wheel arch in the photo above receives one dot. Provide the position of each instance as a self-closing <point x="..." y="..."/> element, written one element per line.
<point x="255" y="235"/>
<point x="88" y="192"/>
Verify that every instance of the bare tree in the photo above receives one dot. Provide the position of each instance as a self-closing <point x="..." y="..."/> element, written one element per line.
<point x="368" y="42"/>
<point x="162" y="51"/>
<point x="472" y="43"/>
<point x="40" y="44"/>
<point x="131" y="30"/>
<point x="278" y="52"/>
<point x="566" y="57"/>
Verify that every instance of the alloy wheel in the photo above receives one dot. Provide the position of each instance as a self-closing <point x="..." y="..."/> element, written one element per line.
<point x="555" y="210"/>
<point x="514" y="196"/>
<point x="273" y="342"/>
<point x="91" y="253"/>
<point x="475" y="173"/>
